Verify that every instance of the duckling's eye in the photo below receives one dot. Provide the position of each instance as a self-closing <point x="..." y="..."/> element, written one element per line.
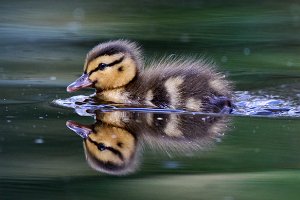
<point x="102" y="66"/>
<point x="101" y="146"/>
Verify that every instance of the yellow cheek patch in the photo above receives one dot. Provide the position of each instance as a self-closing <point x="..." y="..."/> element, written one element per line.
<point x="113" y="77"/>
<point x="104" y="156"/>
<point x="111" y="137"/>
<point x="124" y="76"/>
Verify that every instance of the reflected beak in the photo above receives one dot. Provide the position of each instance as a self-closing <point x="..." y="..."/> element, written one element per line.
<point x="82" y="82"/>
<point x="81" y="130"/>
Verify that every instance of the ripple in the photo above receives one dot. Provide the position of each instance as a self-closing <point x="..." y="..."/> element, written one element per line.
<point x="264" y="105"/>
<point x="246" y="104"/>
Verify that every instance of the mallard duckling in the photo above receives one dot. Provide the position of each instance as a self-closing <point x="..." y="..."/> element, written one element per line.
<point x="113" y="144"/>
<point x="107" y="148"/>
<point x="169" y="131"/>
<point x="115" y="69"/>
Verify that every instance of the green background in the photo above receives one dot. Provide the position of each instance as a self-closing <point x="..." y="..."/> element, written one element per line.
<point x="43" y="46"/>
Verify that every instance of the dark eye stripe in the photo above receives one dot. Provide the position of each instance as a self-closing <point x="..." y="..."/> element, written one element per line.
<point x="107" y="65"/>
<point x="115" y="151"/>
<point x="100" y="146"/>
<point x="116" y="62"/>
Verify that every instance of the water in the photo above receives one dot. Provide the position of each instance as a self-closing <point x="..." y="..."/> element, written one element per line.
<point x="43" y="46"/>
<point x="245" y="104"/>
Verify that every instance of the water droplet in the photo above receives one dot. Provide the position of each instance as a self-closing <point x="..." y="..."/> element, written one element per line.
<point x="171" y="164"/>
<point x="52" y="78"/>
<point x="39" y="141"/>
<point x="247" y="51"/>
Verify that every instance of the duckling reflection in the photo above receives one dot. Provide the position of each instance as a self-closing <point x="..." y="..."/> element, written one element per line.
<point x="107" y="148"/>
<point x="113" y="144"/>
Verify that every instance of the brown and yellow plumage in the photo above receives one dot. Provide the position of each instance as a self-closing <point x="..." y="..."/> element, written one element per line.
<point x="115" y="142"/>
<point x="116" y="70"/>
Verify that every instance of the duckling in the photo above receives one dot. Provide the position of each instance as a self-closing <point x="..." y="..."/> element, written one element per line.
<point x="115" y="69"/>
<point x="113" y="144"/>
<point x="107" y="148"/>
<point x="170" y="132"/>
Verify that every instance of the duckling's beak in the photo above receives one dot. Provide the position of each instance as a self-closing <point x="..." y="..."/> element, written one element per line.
<point x="82" y="82"/>
<point x="81" y="130"/>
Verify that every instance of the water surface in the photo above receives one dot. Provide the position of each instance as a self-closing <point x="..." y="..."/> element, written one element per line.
<point x="43" y="46"/>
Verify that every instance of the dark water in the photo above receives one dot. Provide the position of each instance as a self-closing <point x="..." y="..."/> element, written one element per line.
<point x="43" y="46"/>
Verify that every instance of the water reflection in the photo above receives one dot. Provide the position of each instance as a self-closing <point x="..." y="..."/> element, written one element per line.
<point x="114" y="143"/>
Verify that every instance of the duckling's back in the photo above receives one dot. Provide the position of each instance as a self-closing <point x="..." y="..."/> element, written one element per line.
<point x="191" y="84"/>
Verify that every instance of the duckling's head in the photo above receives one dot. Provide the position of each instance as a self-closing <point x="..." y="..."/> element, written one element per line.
<point x="109" y="65"/>
<point x="107" y="148"/>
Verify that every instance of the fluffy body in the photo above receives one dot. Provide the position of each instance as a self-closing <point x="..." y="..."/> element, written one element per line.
<point x="177" y="83"/>
<point x="116" y="70"/>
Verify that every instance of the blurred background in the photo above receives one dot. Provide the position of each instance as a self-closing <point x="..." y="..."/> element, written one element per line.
<point x="43" y="46"/>
<point x="43" y="40"/>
